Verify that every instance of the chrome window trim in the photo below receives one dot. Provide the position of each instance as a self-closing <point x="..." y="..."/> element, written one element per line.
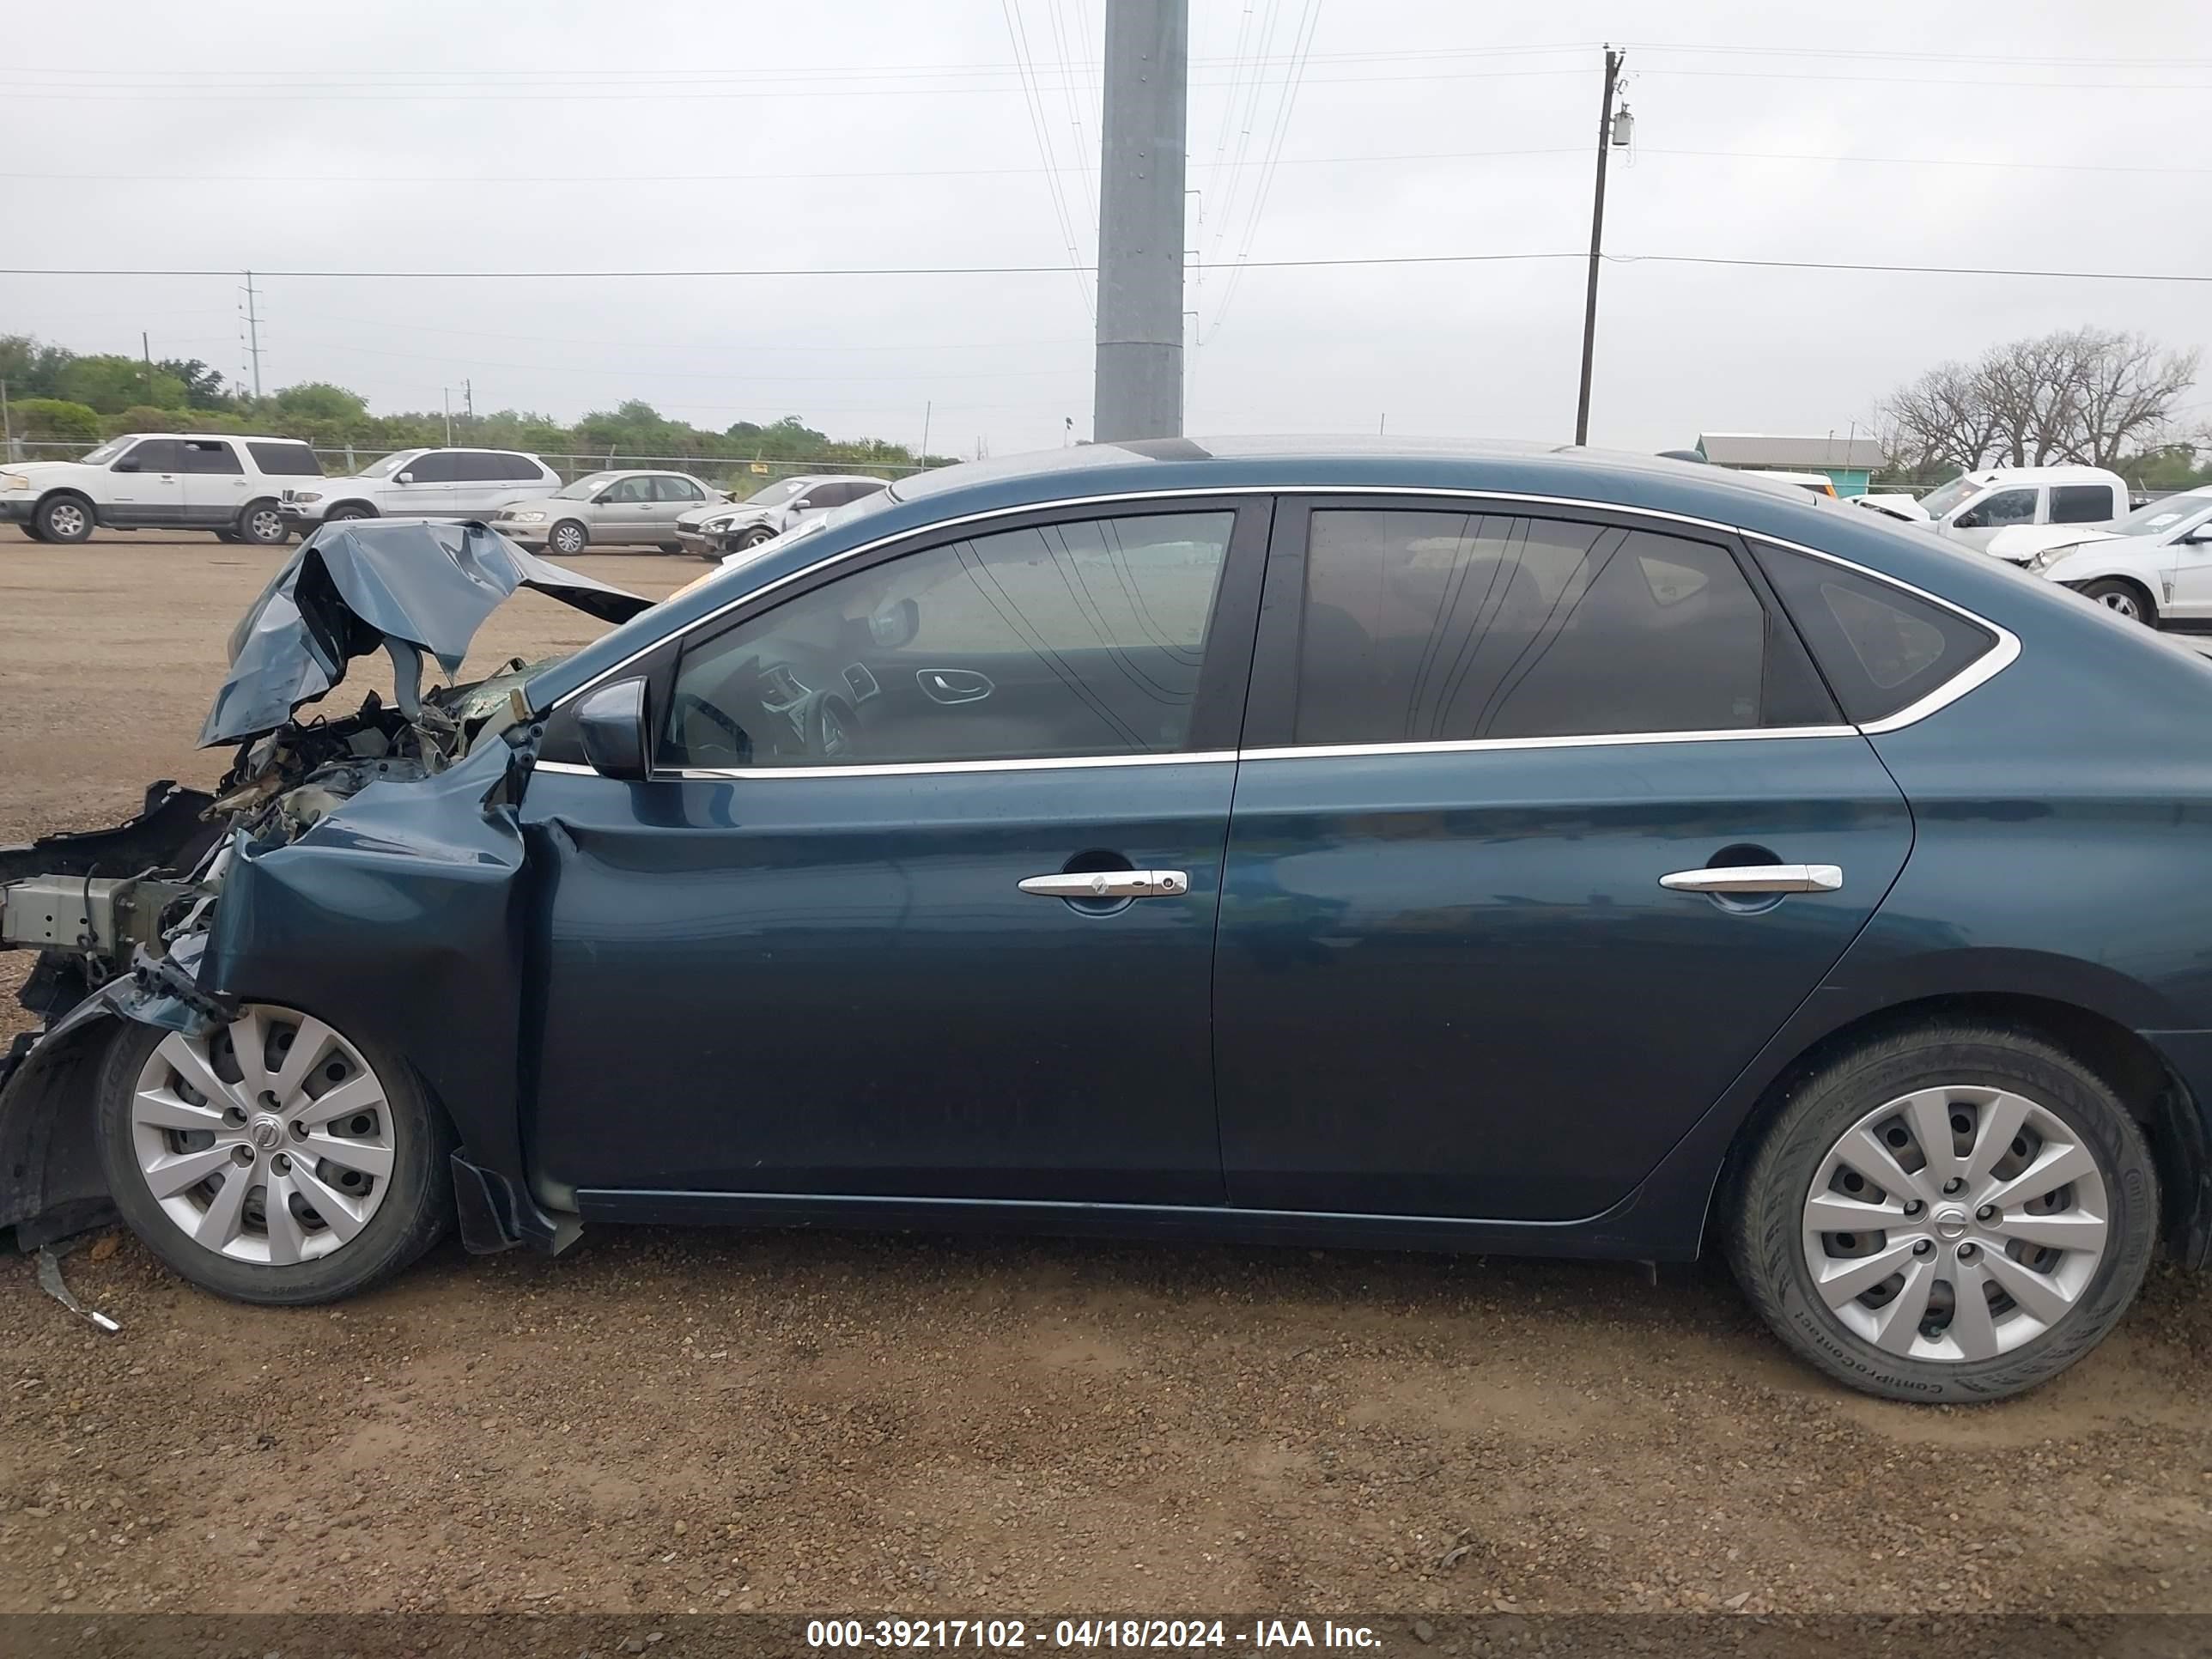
<point x="1984" y="668"/>
<point x="1590" y="740"/>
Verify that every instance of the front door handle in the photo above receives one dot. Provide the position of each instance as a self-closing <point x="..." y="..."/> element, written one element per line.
<point x="1110" y="884"/>
<point x="1758" y="878"/>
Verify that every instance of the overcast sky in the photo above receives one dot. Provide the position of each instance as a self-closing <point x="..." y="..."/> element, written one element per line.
<point x="548" y="135"/>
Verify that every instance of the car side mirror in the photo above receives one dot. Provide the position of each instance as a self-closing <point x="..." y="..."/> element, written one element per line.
<point x="128" y="464"/>
<point x="612" y="723"/>
<point x="603" y="498"/>
<point x="802" y="504"/>
<point x="407" y="477"/>
<point x="1967" y="521"/>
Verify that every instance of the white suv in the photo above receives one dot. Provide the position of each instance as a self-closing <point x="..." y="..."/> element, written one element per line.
<point x="423" y="483"/>
<point x="160" y="480"/>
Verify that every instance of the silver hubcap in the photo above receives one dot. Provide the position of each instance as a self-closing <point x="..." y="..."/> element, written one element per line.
<point x="2120" y="602"/>
<point x="270" y="1141"/>
<point x="567" y="540"/>
<point x="1955" y="1224"/>
<point x="66" y="519"/>
<point x="267" y="525"/>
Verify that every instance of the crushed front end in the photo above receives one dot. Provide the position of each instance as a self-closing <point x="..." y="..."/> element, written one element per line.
<point x="162" y="919"/>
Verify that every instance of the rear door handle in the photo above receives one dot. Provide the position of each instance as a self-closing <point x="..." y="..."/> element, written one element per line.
<point x="1110" y="884"/>
<point x="1758" y="878"/>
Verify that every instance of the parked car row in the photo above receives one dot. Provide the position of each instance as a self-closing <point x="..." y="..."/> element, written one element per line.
<point x="264" y="490"/>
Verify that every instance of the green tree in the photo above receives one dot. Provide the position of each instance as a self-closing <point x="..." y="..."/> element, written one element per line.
<point x="54" y="420"/>
<point x="203" y="386"/>
<point x="319" y="400"/>
<point x="111" y="383"/>
<point x="32" y="370"/>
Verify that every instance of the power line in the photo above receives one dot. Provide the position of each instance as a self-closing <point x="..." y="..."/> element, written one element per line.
<point x="1301" y="43"/>
<point x="1004" y="172"/>
<point x="1035" y="270"/>
<point x="1033" y="100"/>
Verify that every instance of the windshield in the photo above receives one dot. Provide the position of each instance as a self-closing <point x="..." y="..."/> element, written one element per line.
<point x="777" y="493"/>
<point x="1938" y="502"/>
<point x="586" y="487"/>
<point x="107" y="452"/>
<point x="2167" y="513"/>
<point x="391" y="463"/>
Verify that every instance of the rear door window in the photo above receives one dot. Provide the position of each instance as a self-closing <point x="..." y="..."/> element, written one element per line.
<point x="286" y="460"/>
<point x="1423" y="626"/>
<point x="211" y="455"/>
<point x="669" y="488"/>
<point x="2082" y="504"/>
<point x="1881" y="648"/>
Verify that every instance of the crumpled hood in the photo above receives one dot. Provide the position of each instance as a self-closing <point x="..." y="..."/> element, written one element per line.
<point x="353" y="585"/>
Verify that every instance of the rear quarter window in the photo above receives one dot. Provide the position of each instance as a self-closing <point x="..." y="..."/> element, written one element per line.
<point x="1881" y="648"/>
<point x="286" y="460"/>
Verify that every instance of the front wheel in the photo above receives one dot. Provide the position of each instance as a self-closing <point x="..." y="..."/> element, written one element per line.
<point x="1956" y="1212"/>
<point x="63" y="519"/>
<point x="568" y="537"/>
<point x="275" y="1160"/>
<point x="754" y="537"/>
<point x="2124" y="600"/>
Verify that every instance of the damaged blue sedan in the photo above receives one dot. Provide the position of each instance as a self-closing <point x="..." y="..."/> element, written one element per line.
<point x="1498" y="850"/>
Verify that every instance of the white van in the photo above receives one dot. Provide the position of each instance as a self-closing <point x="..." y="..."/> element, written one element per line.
<point x="1975" y="507"/>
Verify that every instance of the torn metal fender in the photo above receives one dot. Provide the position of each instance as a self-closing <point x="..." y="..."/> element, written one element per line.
<point x="403" y="915"/>
<point x="353" y="586"/>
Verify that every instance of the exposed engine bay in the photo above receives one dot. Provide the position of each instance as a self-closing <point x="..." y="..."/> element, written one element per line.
<point x="121" y="916"/>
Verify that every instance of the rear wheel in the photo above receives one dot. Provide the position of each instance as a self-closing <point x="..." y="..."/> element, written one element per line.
<point x="671" y="547"/>
<point x="2124" y="599"/>
<point x="63" y="519"/>
<point x="1956" y="1212"/>
<point x="275" y="1160"/>
<point x="228" y="536"/>
<point x="262" y="524"/>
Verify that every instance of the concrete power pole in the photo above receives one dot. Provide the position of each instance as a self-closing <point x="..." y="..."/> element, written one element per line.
<point x="1139" y="390"/>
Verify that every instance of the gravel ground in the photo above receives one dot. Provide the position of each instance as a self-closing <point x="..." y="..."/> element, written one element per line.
<point x="663" y="1421"/>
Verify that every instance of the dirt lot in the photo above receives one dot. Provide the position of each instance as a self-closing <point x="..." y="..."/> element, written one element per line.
<point x="664" y="1420"/>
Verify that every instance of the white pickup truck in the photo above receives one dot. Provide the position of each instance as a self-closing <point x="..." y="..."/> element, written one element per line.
<point x="2013" y="511"/>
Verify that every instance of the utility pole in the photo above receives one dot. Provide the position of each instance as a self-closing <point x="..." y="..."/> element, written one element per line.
<point x="448" y="391"/>
<point x="468" y="400"/>
<point x="253" y="333"/>
<point x="1139" y="390"/>
<point x="928" y="407"/>
<point x="1611" y="131"/>
<point x="6" y="427"/>
<point x="146" y="352"/>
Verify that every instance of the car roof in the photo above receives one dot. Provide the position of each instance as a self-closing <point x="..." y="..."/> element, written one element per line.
<point x="1213" y="471"/>
<point x="202" y="437"/>
<point x="2043" y="474"/>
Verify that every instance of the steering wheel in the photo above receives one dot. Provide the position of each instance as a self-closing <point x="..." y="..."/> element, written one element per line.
<point x="827" y="727"/>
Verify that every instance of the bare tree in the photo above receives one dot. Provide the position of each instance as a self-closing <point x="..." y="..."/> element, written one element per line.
<point x="2086" y="394"/>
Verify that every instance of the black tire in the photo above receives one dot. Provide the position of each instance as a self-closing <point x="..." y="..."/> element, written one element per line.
<point x="671" y="547"/>
<point x="415" y="1212"/>
<point x="63" y="519"/>
<point x="30" y="532"/>
<point x="2124" y="599"/>
<point x="568" y="539"/>
<point x="755" y="537"/>
<point x="230" y="536"/>
<point x="261" y="524"/>
<point x="1765" y="1242"/>
<point x="345" y="510"/>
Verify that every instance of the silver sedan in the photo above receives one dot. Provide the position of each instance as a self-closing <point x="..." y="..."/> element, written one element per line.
<point x="608" y="509"/>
